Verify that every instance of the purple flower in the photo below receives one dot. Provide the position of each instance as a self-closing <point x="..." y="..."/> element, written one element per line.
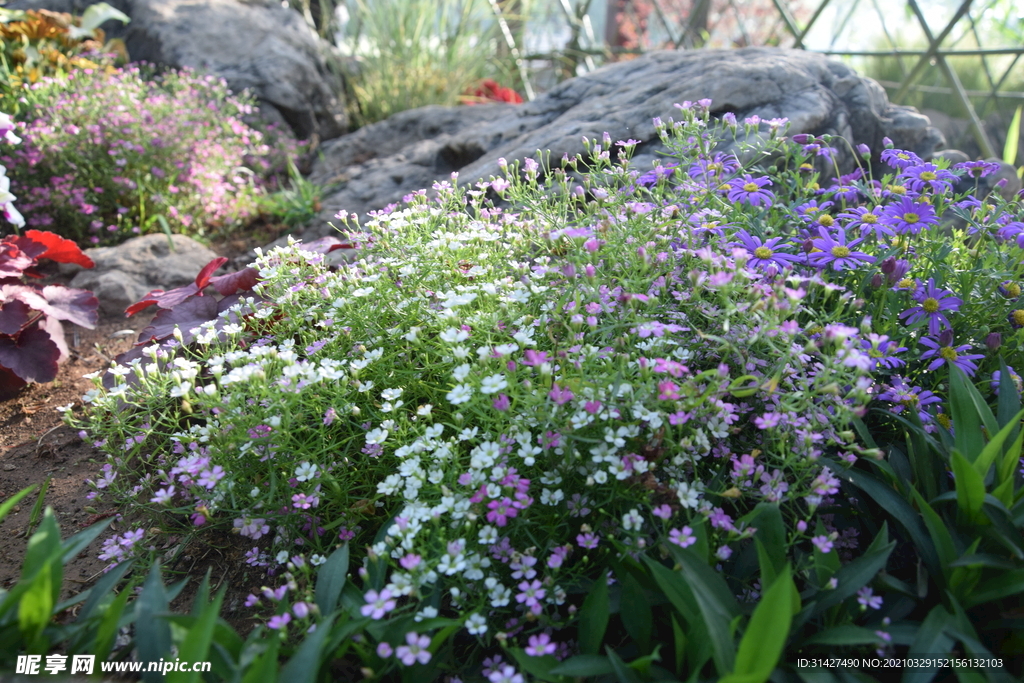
<point x="415" y="651"/>
<point x="867" y="220"/>
<point x="905" y="396"/>
<point x="279" y="621"/>
<point x="560" y="395"/>
<point x="822" y="543"/>
<point x="933" y="302"/>
<point x="377" y="604"/>
<point x="750" y="190"/>
<point x="836" y="251"/>
<point x="996" y="380"/>
<point x="899" y="158"/>
<point x="763" y="254"/>
<point x="922" y="176"/>
<point x="540" y="645"/>
<point x="715" y="168"/>
<point x="908" y="216"/>
<point x="978" y="169"/>
<point x="943" y="351"/>
<point x="682" y="538"/>
<point x="879" y="349"/>
<point x="866" y="598"/>
<point x="588" y="541"/>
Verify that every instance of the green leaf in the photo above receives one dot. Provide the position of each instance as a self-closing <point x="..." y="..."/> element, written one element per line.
<point x="931" y="639"/>
<point x="901" y="511"/>
<point x="1012" y="141"/>
<point x="716" y="604"/>
<point x="636" y="613"/>
<point x="967" y="406"/>
<point x="196" y="646"/>
<point x="583" y="666"/>
<point x="594" y="618"/>
<point x="970" y="487"/>
<point x="102" y="589"/>
<point x="994" y="448"/>
<point x="679" y="641"/>
<point x="264" y="667"/>
<point x="854" y="575"/>
<point x="1008" y="402"/>
<point x="43" y="546"/>
<point x="939" y="533"/>
<point x="106" y="632"/>
<point x="539" y="667"/>
<point x="330" y="580"/>
<point x="847" y="634"/>
<point x="152" y="634"/>
<point x="770" y="540"/>
<point x="36" y="608"/>
<point x="7" y="505"/>
<point x="623" y="673"/>
<point x="1004" y="586"/>
<point x="304" y="665"/>
<point x="767" y="632"/>
<point x="80" y="541"/>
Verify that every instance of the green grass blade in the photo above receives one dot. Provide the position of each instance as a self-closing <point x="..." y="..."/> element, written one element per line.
<point x="1012" y="139"/>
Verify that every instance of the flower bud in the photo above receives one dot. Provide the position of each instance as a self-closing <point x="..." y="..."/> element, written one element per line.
<point x="993" y="341"/>
<point x="864" y="150"/>
<point x="946" y="338"/>
<point x="802" y="138"/>
<point x="877" y="280"/>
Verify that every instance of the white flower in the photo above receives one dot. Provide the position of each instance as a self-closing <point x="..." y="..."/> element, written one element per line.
<point x="462" y="372"/>
<point x="391" y="394"/>
<point x="317" y="560"/>
<point x="454" y="335"/>
<point x="411" y="334"/>
<point x="632" y="520"/>
<point x="376" y="436"/>
<point x="476" y="625"/>
<point x="425" y="613"/>
<point x="488" y="535"/>
<point x="460" y="394"/>
<point x="282" y="557"/>
<point x="689" y="496"/>
<point x="424" y="410"/>
<point x="493" y="384"/>
<point x="600" y="476"/>
<point x="305" y="471"/>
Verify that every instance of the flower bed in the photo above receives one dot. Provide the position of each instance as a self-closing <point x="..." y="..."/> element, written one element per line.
<point x="668" y="396"/>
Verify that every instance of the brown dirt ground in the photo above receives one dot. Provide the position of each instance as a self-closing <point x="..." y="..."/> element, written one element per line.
<point x="36" y="448"/>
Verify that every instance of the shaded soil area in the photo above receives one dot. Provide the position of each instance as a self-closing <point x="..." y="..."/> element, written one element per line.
<point x="37" y="449"/>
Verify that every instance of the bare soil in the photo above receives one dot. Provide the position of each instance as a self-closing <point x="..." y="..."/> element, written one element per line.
<point x="37" y="449"/>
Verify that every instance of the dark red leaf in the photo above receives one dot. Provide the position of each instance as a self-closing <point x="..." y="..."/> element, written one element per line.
<point x="240" y="281"/>
<point x="203" y="278"/>
<point x="186" y="315"/>
<point x="56" y="332"/>
<point x="79" y="306"/>
<point x="166" y="300"/>
<point x="59" y="249"/>
<point x="32" y="357"/>
<point x="13" y="260"/>
<point x="14" y="315"/>
<point x="325" y="245"/>
<point x="10" y="384"/>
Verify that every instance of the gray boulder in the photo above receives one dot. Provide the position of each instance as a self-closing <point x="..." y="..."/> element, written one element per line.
<point x="381" y="163"/>
<point x="254" y="44"/>
<point x="126" y="273"/>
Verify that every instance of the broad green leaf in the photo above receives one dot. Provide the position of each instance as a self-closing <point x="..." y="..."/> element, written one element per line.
<point x="330" y="580"/>
<point x="967" y="406"/>
<point x="847" y="634"/>
<point x="1012" y="140"/>
<point x="679" y="641"/>
<point x="202" y="598"/>
<point x="767" y="632"/>
<point x="43" y="546"/>
<point x="152" y="634"/>
<point x="931" y="639"/>
<point x="539" y="667"/>
<point x="106" y="632"/>
<point x="716" y="604"/>
<point x="1007" y="584"/>
<point x="594" y="618"/>
<point x="636" y="613"/>
<point x="80" y="541"/>
<point x="994" y="448"/>
<point x="939" y="533"/>
<point x="855" y="575"/>
<point x="196" y="646"/>
<point x="1008" y="402"/>
<point x="970" y="487"/>
<point x="771" y="532"/>
<point x="764" y="561"/>
<point x="36" y="608"/>
<point x="584" y="666"/>
<point x="623" y="673"/>
<point x="264" y="667"/>
<point x="902" y="512"/>
<point x="104" y="586"/>
<point x="304" y="665"/>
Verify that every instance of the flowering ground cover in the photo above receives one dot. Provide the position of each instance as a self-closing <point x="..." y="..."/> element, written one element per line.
<point x="687" y="423"/>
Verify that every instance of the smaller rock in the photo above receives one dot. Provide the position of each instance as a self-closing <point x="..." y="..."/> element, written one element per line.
<point x="126" y="273"/>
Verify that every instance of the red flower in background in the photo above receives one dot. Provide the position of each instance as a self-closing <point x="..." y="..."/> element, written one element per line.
<point x="490" y="91"/>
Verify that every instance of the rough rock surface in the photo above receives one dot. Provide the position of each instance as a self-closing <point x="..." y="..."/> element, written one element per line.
<point x="254" y="44"/>
<point x="381" y="163"/>
<point x="127" y="272"/>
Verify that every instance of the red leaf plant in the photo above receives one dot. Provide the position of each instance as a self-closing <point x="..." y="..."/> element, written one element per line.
<point x="31" y="335"/>
<point x="188" y="307"/>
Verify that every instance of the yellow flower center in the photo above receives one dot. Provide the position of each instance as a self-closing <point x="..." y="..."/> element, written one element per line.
<point x="911" y="217"/>
<point x="948" y="352"/>
<point x="875" y="353"/>
<point x="826" y="220"/>
<point x="910" y="400"/>
<point x="1013" y="289"/>
<point x="930" y="305"/>
<point x="869" y="218"/>
<point x="928" y="175"/>
<point x="897" y="189"/>
<point x="839" y="251"/>
<point x="905" y="282"/>
<point x="944" y="420"/>
<point x="810" y="209"/>
<point x="1018" y="317"/>
<point x="763" y="252"/>
<point x="902" y="156"/>
<point x="751" y="187"/>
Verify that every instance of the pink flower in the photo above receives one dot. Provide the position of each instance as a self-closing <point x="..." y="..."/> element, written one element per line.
<point x="684" y="538"/>
<point x="377" y="604"/>
<point x="540" y="645"/>
<point x="560" y="395"/>
<point x="279" y="621"/>
<point x="415" y="651"/>
<point x="501" y="511"/>
<point x="823" y="543"/>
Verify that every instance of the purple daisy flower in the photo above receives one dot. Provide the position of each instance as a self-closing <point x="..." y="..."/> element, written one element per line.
<point x="880" y="349"/>
<point x="909" y="217"/>
<point x="900" y="158"/>
<point x="867" y="220"/>
<point x="715" y="168"/>
<point x="763" y="254"/>
<point x="1014" y="377"/>
<point x="836" y="251"/>
<point x="922" y="176"/>
<point x="943" y="351"/>
<point x="905" y="396"/>
<point x="978" y="169"/>
<point x="811" y="211"/>
<point x="750" y="190"/>
<point x="934" y="301"/>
